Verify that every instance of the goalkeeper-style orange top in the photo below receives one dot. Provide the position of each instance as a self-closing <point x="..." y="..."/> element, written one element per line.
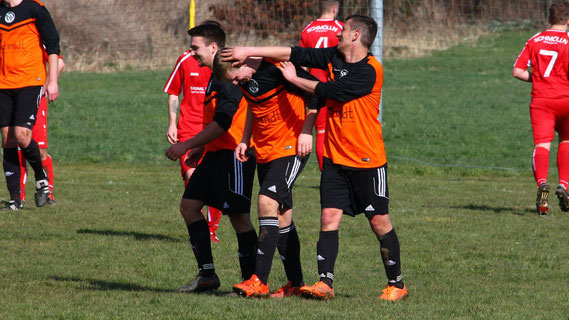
<point x="24" y="30"/>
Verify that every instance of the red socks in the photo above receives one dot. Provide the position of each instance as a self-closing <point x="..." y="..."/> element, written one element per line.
<point x="540" y="164"/>
<point x="563" y="164"/>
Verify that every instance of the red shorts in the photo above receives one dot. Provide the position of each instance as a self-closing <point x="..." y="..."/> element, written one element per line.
<point x="320" y="123"/>
<point x="183" y="136"/>
<point x="39" y="132"/>
<point x="548" y="116"/>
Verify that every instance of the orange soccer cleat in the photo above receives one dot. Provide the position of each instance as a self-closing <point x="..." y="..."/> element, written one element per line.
<point x="392" y="293"/>
<point x="319" y="290"/>
<point x="252" y="288"/>
<point x="286" y="291"/>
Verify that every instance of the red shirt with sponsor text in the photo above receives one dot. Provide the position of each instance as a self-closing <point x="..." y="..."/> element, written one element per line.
<point x="320" y="33"/>
<point x="191" y="80"/>
<point x="548" y="55"/>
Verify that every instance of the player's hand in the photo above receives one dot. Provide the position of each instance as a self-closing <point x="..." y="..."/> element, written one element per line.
<point x="194" y="156"/>
<point x="304" y="147"/>
<point x="172" y="134"/>
<point x="52" y="91"/>
<point x="176" y="151"/>
<point x="241" y="152"/>
<point x="288" y="69"/>
<point x="237" y="55"/>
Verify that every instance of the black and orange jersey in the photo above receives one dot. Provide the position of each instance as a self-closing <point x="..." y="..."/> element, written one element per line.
<point x="278" y="110"/>
<point x="23" y="30"/>
<point x="353" y="131"/>
<point x="224" y="104"/>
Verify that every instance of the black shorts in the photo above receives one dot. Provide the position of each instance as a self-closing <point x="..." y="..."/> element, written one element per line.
<point x="223" y="182"/>
<point x="354" y="190"/>
<point x="19" y="107"/>
<point x="277" y="177"/>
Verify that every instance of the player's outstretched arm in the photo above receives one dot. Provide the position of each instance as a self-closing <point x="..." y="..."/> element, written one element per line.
<point x="521" y="74"/>
<point x="52" y="87"/>
<point x="207" y="135"/>
<point x="173" y="106"/>
<point x="289" y="72"/>
<point x="238" y="55"/>
<point x="304" y="147"/>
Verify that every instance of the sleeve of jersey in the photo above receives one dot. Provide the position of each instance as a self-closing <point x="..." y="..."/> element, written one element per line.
<point x="358" y="83"/>
<point x="227" y="104"/>
<point x="311" y="57"/>
<point x="523" y="59"/>
<point x="174" y="84"/>
<point x="47" y="30"/>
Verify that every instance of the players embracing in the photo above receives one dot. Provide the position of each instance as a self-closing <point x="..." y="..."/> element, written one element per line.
<point x="354" y="173"/>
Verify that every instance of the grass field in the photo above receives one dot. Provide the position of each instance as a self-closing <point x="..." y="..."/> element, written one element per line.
<point x="458" y="138"/>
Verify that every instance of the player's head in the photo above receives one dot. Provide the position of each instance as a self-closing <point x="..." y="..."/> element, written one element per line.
<point x="357" y="29"/>
<point x="559" y="13"/>
<point x="207" y="39"/>
<point x="224" y="71"/>
<point x="329" y="7"/>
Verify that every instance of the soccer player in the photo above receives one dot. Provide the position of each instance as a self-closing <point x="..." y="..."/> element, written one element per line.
<point x="354" y="171"/>
<point x="24" y="26"/>
<point x="283" y="141"/>
<point x="191" y="80"/>
<point x="548" y="54"/>
<point x="220" y="180"/>
<point x="39" y="134"/>
<point x="321" y="33"/>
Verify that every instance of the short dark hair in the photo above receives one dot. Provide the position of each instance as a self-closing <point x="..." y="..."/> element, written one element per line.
<point x="327" y="5"/>
<point x="211" y="32"/>
<point x="367" y="27"/>
<point x="559" y="12"/>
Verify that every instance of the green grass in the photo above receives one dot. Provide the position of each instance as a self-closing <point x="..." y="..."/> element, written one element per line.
<point x="115" y="246"/>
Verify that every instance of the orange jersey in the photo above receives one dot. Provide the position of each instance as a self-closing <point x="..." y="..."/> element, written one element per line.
<point x="278" y="113"/>
<point x="24" y="29"/>
<point x="353" y="131"/>
<point x="225" y="105"/>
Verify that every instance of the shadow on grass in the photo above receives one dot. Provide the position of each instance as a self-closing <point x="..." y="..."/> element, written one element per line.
<point x="516" y="211"/>
<point x="103" y="285"/>
<point x="137" y="235"/>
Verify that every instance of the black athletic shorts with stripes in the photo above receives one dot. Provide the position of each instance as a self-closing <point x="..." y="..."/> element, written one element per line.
<point x="354" y="190"/>
<point x="223" y="182"/>
<point x="19" y="107"/>
<point x="277" y="177"/>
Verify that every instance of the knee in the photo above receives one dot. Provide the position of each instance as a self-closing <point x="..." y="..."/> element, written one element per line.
<point x="241" y="222"/>
<point x="190" y="211"/>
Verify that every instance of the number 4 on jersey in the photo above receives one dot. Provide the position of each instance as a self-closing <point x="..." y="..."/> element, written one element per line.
<point x="322" y="42"/>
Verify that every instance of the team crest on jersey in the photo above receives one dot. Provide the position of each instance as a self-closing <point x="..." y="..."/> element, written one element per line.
<point x="253" y="86"/>
<point x="343" y="72"/>
<point x="10" y="17"/>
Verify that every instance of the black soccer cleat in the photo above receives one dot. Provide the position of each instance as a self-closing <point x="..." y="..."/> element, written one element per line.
<point x="12" y="205"/>
<point x="563" y="197"/>
<point x="201" y="284"/>
<point x="541" y="204"/>
<point x="42" y="192"/>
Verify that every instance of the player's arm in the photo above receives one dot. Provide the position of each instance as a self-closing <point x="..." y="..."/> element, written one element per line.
<point x="238" y="55"/>
<point x="50" y="39"/>
<point x="521" y="74"/>
<point x="289" y="72"/>
<point x="304" y="147"/>
<point x="241" y="150"/>
<point x="173" y="108"/>
<point x="211" y="132"/>
<point x="52" y="88"/>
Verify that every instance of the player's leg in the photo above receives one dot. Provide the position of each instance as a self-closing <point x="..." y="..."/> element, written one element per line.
<point x="543" y="124"/>
<point x="197" y="193"/>
<point x="23" y="176"/>
<point x="320" y="126"/>
<point x="563" y="163"/>
<point x="246" y="243"/>
<point x="39" y="134"/>
<point x="11" y="165"/>
<point x="10" y="160"/>
<point x="213" y="218"/>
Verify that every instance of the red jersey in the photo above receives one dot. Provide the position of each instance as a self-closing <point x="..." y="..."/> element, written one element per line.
<point x="321" y="33"/>
<point x="191" y="80"/>
<point x="548" y="55"/>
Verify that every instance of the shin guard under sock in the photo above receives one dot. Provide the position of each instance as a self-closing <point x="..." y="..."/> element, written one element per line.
<point x="389" y="244"/>
<point x="201" y="245"/>
<point x="11" y="164"/>
<point x="540" y="164"/>
<point x="32" y="154"/>
<point x="327" y="250"/>
<point x="289" y="250"/>
<point x="247" y="245"/>
<point x="266" y="246"/>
